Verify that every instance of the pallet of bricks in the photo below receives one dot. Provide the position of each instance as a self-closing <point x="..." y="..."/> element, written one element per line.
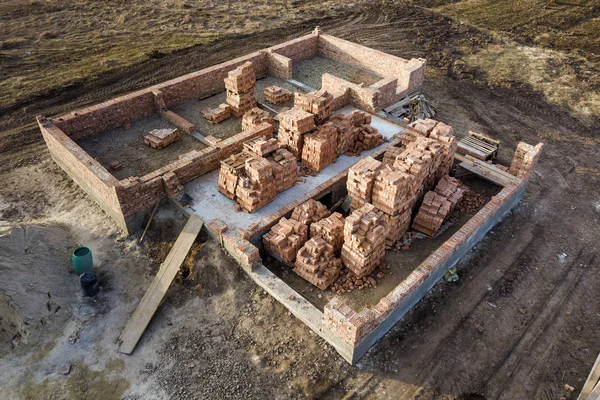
<point x="254" y="176"/>
<point x="438" y="205"/>
<point x="240" y="89"/>
<point x="277" y="95"/>
<point x="364" y="240"/>
<point x="293" y="125"/>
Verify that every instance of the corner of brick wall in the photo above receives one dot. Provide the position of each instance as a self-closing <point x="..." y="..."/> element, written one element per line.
<point x="244" y="252"/>
<point x="351" y="327"/>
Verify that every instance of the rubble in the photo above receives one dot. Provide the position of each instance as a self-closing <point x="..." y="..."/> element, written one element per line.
<point x="159" y="138"/>
<point x="277" y="95"/>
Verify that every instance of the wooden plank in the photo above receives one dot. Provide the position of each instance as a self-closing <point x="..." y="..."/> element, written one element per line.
<point x="464" y="148"/>
<point x="592" y="380"/>
<point x="485" y="170"/>
<point x="143" y="314"/>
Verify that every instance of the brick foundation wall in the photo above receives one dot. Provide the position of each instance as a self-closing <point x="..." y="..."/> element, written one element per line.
<point x="298" y="49"/>
<point x="279" y="66"/>
<point x="410" y="73"/>
<point x="84" y="170"/>
<point x="374" y="322"/>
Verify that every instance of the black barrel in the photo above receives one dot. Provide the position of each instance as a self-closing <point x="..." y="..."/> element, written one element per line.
<point x="89" y="283"/>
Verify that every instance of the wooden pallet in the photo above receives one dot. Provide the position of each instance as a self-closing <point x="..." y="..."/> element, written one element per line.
<point x="485" y="170"/>
<point x="145" y="310"/>
<point x="591" y="389"/>
<point x="478" y="146"/>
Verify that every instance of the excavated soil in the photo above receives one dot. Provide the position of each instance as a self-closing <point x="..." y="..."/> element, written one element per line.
<point x="520" y="323"/>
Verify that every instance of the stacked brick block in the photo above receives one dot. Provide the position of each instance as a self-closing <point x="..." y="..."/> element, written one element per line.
<point x="277" y="95"/>
<point x="345" y="133"/>
<point x="320" y="147"/>
<point x="257" y="187"/>
<point x="389" y="157"/>
<point x="421" y="159"/>
<point x="331" y="229"/>
<point x="261" y="146"/>
<point x="285" y="169"/>
<point x="310" y="211"/>
<point x="159" y="138"/>
<point x="317" y="263"/>
<point x="255" y="117"/>
<point x="441" y="133"/>
<point x="285" y="239"/>
<point x="365" y="232"/>
<point x="361" y="178"/>
<point x="437" y="206"/>
<point x="240" y="89"/>
<point x="319" y="103"/>
<point x="293" y="125"/>
<point x="232" y="169"/>
<point x="217" y="114"/>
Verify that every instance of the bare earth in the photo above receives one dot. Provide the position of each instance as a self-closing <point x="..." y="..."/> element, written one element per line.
<point x="521" y="322"/>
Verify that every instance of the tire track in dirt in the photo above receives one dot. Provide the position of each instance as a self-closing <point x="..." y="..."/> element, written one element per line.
<point x="505" y="371"/>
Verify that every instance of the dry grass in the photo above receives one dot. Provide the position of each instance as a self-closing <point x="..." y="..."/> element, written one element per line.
<point x="52" y="44"/>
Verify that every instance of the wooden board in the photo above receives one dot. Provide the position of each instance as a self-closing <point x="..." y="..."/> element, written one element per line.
<point x="143" y="314"/>
<point x="485" y="170"/>
<point x="592" y="381"/>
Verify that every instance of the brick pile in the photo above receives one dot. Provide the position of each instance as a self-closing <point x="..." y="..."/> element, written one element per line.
<point x="285" y="239"/>
<point x="310" y="211"/>
<point x="319" y="103"/>
<point x="217" y="114"/>
<point x="257" y="187"/>
<point x="331" y="229"/>
<point x="364" y="240"/>
<point x="285" y="169"/>
<point x="389" y="157"/>
<point x="524" y="159"/>
<point x="232" y="169"/>
<point x="393" y="192"/>
<point x="438" y="205"/>
<point x="361" y="177"/>
<point x="159" y="138"/>
<point x="320" y="147"/>
<point x="293" y="125"/>
<point x="438" y="131"/>
<point x="255" y="117"/>
<point x="261" y="146"/>
<point x="345" y="133"/>
<point x="240" y="89"/>
<point x="432" y="214"/>
<point x="277" y="95"/>
<point x="421" y="159"/>
<point x="362" y="136"/>
<point x="317" y="263"/>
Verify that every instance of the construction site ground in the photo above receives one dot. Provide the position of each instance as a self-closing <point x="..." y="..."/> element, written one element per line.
<point x="521" y="322"/>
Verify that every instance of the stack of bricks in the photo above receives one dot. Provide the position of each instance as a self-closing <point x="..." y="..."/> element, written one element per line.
<point x="320" y="147"/>
<point x="438" y="205"/>
<point x="421" y="159"/>
<point x="261" y="146"/>
<point x="361" y="177"/>
<point x="159" y="138"/>
<point x="285" y="169"/>
<point x="319" y="103"/>
<point x="393" y="192"/>
<point x="240" y="89"/>
<point x="255" y="117"/>
<point x="451" y="189"/>
<point x="258" y="187"/>
<point x="365" y="136"/>
<point x="285" y="239"/>
<point x="432" y="214"/>
<point x="365" y="233"/>
<point x="345" y="133"/>
<point x="277" y="95"/>
<point x="525" y="158"/>
<point x="389" y="157"/>
<point x="218" y="114"/>
<point x="331" y="229"/>
<point x="310" y="211"/>
<point x="293" y="125"/>
<point x="232" y="169"/>
<point x="438" y="131"/>
<point x="317" y="263"/>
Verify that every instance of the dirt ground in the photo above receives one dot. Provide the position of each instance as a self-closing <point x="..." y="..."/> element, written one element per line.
<point x="521" y="322"/>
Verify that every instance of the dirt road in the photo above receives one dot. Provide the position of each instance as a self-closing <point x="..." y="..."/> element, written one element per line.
<point x="521" y="322"/>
